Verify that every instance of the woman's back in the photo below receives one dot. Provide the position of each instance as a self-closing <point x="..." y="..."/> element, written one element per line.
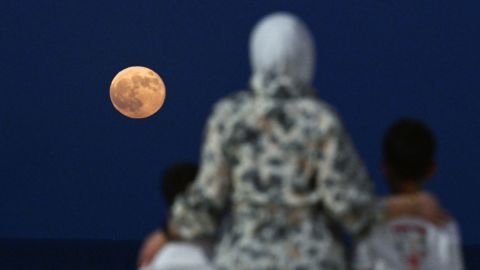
<point x="273" y="157"/>
<point x="274" y="147"/>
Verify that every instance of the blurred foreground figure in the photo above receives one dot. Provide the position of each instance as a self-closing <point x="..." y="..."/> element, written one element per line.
<point x="409" y="243"/>
<point x="176" y="254"/>
<point x="278" y="163"/>
<point x="276" y="154"/>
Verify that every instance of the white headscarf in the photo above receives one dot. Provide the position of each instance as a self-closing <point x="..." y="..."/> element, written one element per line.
<point x="282" y="56"/>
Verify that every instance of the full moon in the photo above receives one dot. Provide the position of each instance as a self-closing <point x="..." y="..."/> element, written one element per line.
<point x="137" y="92"/>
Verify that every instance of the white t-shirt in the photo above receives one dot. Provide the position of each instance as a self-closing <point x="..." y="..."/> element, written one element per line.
<point x="180" y="256"/>
<point x="410" y="244"/>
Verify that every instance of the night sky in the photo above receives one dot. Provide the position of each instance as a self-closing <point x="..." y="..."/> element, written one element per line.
<point x="72" y="167"/>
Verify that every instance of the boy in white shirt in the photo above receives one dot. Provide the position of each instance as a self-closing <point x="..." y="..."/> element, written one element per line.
<point x="175" y="255"/>
<point x="409" y="243"/>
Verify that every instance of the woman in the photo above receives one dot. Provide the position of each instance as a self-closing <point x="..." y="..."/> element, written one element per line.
<point x="278" y="162"/>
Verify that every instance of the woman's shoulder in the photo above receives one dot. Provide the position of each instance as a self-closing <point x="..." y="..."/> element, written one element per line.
<point x="311" y="104"/>
<point x="232" y="102"/>
<point x="320" y="110"/>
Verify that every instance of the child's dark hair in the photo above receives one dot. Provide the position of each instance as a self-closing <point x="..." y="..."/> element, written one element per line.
<point x="409" y="148"/>
<point x="176" y="179"/>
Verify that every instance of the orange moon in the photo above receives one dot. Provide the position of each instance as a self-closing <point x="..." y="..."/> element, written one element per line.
<point x="137" y="92"/>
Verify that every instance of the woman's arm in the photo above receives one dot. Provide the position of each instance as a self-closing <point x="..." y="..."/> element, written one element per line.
<point x="423" y="205"/>
<point x="196" y="214"/>
<point x="347" y="190"/>
<point x="344" y="184"/>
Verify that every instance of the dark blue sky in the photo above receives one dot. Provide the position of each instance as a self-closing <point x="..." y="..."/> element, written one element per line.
<point x="73" y="167"/>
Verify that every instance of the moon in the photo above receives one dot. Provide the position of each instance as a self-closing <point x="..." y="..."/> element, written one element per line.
<point x="137" y="92"/>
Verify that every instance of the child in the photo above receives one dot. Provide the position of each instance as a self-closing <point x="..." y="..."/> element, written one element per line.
<point x="409" y="243"/>
<point x="175" y="254"/>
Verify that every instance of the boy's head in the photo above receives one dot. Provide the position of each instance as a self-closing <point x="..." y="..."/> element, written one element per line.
<point x="176" y="179"/>
<point x="409" y="148"/>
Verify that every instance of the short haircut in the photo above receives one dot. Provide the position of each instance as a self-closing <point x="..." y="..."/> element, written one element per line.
<point x="176" y="179"/>
<point x="409" y="148"/>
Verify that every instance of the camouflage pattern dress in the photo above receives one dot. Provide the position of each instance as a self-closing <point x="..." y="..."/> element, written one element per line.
<point x="278" y="162"/>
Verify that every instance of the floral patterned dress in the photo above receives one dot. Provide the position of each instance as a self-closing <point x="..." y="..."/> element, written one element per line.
<point x="281" y="169"/>
<point x="278" y="163"/>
